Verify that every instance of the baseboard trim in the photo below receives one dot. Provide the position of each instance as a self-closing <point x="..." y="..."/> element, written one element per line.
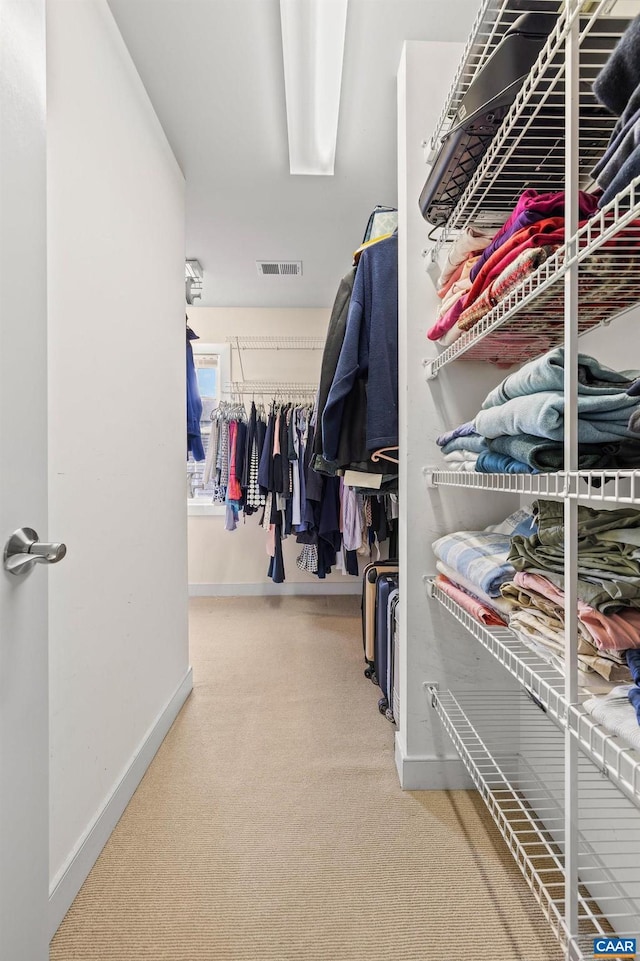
<point x="351" y="586"/>
<point x="430" y="773"/>
<point x="72" y="876"/>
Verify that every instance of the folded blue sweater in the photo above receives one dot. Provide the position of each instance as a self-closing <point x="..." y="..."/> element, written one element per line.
<point x="547" y="373"/>
<point x="601" y="418"/>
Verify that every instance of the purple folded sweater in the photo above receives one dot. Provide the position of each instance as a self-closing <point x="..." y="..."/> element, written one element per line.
<point x="532" y="207"/>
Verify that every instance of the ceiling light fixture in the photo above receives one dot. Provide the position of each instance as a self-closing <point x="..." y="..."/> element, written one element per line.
<point x="312" y="46"/>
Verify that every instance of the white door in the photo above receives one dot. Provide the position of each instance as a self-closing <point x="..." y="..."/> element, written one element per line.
<point x="24" y="751"/>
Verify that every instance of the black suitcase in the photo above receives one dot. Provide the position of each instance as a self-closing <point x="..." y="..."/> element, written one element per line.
<point x="385" y="585"/>
<point x="369" y="596"/>
<point x="387" y="673"/>
<point x="394" y="685"/>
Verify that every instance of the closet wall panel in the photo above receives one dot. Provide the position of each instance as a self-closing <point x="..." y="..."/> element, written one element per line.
<point x="118" y="605"/>
<point x="432" y="645"/>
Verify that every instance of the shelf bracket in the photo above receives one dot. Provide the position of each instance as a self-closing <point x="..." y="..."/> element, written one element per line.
<point x="428" y="473"/>
<point x="430" y="585"/>
<point x="431" y="688"/>
<point x="431" y="372"/>
<point x="430" y="150"/>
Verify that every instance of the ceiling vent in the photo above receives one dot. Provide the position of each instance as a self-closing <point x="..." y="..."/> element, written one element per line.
<point x="279" y="268"/>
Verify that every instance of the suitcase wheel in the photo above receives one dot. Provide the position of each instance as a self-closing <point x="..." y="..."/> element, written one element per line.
<point x="389" y="715"/>
<point x="368" y="672"/>
<point x="374" y="678"/>
<point x="383" y="705"/>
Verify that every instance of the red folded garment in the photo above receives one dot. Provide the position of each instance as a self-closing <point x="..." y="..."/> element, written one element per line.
<point x="479" y="611"/>
<point x="522" y="267"/>
<point x="531" y="208"/>
<point x="549" y="231"/>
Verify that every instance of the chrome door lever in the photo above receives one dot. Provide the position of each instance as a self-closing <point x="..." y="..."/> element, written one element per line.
<point x="23" y="551"/>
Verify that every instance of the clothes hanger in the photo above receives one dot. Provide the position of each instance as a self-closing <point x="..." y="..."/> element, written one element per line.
<point x="368" y="243"/>
<point x="381" y="454"/>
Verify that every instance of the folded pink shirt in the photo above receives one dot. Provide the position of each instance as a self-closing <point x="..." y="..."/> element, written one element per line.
<point x="444" y="290"/>
<point x="479" y="611"/>
<point x="613" y="632"/>
<point x="447" y="321"/>
<point x="460" y="287"/>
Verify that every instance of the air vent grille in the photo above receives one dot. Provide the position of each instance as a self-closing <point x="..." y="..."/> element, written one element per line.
<point x="279" y="268"/>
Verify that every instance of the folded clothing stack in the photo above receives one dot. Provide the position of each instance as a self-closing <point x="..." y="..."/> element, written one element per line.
<point x="514" y="572"/>
<point x="496" y="266"/>
<point x="617" y="87"/>
<point x="520" y="428"/>
<point x="608" y="590"/>
<point x="619" y="710"/>
<point x="455" y="281"/>
<point x="476" y="563"/>
<point x="462" y="447"/>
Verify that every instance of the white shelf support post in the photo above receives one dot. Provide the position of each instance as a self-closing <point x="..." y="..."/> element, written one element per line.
<point x="571" y="308"/>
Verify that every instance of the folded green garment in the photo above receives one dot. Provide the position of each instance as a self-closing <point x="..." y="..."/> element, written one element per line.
<point x="600" y="559"/>
<point x="605" y="596"/>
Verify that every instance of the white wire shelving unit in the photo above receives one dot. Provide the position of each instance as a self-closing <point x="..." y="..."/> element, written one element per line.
<point x="565" y="825"/>
<point x="528" y="150"/>
<point x="492" y="22"/>
<point x="529" y="321"/>
<point x="530" y="816"/>
<point x="588" y="486"/>
<point x="610" y="754"/>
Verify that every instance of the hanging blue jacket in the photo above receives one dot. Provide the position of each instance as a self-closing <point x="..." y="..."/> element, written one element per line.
<point x="194" y="404"/>
<point x="369" y="351"/>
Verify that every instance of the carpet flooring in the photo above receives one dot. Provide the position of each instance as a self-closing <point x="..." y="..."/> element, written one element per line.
<point x="271" y="827"/>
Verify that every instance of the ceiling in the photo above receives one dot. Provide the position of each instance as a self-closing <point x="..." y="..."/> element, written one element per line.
<point x="213" y="70"/>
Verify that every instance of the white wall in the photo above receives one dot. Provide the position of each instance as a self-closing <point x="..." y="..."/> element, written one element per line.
<point x="227" y="562"/>
<point x="118" y="610"/>
<point x="434" y="648"/>
<point x="24" y="714"/>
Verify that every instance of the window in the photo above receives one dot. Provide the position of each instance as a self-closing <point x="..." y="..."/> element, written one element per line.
<point x="213" y="372"/>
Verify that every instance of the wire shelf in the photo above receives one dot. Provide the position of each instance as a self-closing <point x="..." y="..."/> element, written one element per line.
<point x="611" y="755"/>
<point x="587" y="486"/>
<point x="529" y="148"/>
<point x="530" y="320"/>
<point x="272" y="388"/>
<point x="492" y="22"/>
<point x="277" y="343"/>
<point x="524" y="792"/>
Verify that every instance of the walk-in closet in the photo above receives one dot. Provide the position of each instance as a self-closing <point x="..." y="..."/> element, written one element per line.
<point x="320" y="487"/>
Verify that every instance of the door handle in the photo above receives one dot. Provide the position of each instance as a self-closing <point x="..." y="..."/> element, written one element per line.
<point x="23" y="551"/>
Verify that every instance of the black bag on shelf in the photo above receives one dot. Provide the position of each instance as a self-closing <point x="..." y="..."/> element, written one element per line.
<point x="481" y="112"/>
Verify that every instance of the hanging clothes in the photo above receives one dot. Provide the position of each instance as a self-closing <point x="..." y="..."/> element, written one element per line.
<point x="369" y="350"/>
<point x="194" y="404"/>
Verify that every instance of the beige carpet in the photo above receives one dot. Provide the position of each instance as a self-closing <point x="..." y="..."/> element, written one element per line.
<point x="271" y="826"/>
